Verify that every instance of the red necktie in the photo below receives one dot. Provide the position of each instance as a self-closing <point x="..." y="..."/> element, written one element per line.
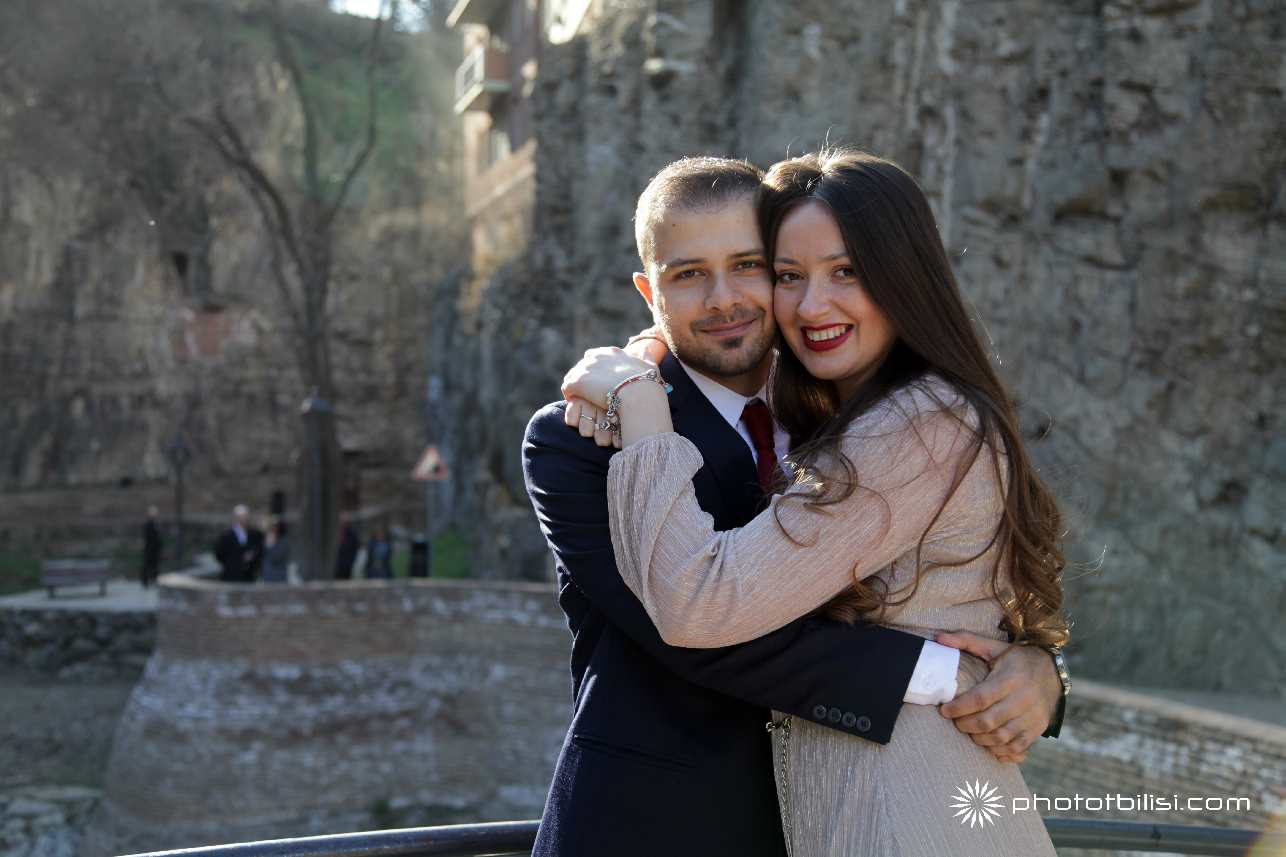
<point x="758" y="421"/>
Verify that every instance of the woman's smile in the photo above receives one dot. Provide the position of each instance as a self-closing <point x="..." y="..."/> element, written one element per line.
<point x="826" y="338"/>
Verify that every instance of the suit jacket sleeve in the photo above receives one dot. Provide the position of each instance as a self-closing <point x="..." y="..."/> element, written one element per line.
<point x="811" y="668"/>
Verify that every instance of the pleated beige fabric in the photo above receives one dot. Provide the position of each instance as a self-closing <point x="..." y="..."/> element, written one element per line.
<point x="842" y="795"/>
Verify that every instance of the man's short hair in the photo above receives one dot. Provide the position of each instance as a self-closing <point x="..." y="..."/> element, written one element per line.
<point x="690" y="183"/>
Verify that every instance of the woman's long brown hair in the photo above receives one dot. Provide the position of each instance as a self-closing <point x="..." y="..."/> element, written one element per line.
<point x="893" y="243"/>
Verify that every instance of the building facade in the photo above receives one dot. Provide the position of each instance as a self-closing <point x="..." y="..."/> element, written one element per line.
<point x="503" y="41"/>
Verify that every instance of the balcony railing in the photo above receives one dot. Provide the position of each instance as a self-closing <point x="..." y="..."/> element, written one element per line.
<point x="483" y="74"/>
<point x="474" y="11"/>
<point x="500" y="839"/>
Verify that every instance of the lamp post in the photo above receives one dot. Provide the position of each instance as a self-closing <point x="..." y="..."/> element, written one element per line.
<point x="179" y="455"/>
<point x="314" y="411"/>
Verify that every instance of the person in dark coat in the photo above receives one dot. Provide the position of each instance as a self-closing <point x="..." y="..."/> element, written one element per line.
<point x="379" y="555"/>
<point x="349" y="545"/>
<point x="239" y="549"/>
<point x="276" y="555"/>
<point x="152" y="544"/>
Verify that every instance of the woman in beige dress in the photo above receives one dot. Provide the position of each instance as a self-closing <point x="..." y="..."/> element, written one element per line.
<point x="910" y="502"/>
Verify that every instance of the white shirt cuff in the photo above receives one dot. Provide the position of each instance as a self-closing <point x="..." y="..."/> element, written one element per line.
<point x="934" y="680"/>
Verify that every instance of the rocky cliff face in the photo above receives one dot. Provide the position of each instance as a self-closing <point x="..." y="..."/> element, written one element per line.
<point x="1108" y="177"/>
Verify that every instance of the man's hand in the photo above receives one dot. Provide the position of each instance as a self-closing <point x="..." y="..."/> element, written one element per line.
<point x="1010" y="709"/>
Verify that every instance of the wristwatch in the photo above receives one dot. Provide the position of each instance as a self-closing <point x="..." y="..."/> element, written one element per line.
<point x="1064" y="678"/>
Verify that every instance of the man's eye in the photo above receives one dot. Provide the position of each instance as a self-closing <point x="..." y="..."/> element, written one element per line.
<point x="689" y="274"/>
<point x="749" y="265"/>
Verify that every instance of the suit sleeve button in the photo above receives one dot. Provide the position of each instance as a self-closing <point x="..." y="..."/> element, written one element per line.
<point x="849" y="719"/>
<point x="820" y="712"/>
<point x="834" y="715"/>
<point x="863" y="724"/>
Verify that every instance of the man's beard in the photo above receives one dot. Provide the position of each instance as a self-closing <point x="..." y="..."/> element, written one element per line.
<point x="726" y="359"/>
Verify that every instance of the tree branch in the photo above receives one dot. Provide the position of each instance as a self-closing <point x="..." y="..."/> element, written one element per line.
<point x="232" y="148"/>
<point x="287" y="56"/>
<point x="372" y="62"/>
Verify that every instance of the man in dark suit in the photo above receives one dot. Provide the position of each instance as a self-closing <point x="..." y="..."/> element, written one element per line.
<point x="667" y="752"/>
<point x="151" y="547"/>
<point x="239" y="549"/>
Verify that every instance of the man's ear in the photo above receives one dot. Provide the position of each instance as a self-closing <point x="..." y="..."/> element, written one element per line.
<point x="644" y="285"/>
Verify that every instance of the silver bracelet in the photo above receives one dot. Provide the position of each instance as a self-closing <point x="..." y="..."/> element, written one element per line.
<point x="611" y="419"/>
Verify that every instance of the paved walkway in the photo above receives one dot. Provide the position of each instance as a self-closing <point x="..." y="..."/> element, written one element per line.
<point x="122" y="596"/>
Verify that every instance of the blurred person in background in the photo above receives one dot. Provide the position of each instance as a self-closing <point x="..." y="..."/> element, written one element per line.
<point x="239" y="549"/>
<point x="349" y="544"/>
<point x="276" y="555"/>
<point x="379" y="554"/>
<point x="152" y="546"/>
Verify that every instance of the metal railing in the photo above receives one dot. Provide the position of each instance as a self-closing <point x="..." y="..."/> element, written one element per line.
<point x="501" y="839"/>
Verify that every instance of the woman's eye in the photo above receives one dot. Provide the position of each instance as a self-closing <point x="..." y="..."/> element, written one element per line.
<point x="846" y="272"/>
<point x="787" y="277"/>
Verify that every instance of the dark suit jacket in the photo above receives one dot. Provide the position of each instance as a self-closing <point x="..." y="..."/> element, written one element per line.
<point x="229" y="552"/>
<point x="667" y="753"/>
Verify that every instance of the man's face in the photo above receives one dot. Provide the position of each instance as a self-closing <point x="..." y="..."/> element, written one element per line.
<point x="710" y="290"/>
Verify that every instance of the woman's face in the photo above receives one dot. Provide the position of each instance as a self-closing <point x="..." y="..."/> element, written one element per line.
<point x="822" y="310"/>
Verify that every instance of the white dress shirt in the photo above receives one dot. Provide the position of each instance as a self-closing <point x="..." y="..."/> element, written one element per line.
<point x="933" y="680"/>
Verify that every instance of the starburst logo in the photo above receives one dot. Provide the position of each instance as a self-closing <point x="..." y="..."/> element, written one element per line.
<point x="977" y="805"/>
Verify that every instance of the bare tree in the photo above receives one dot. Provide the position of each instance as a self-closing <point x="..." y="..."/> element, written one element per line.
<point x="300" y="215"/>
<point x="163" y="100"/>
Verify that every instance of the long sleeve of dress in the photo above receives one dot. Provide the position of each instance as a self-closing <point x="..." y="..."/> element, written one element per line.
<point x="704" y="588"/>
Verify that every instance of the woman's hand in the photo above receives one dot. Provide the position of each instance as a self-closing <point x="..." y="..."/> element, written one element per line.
<point x="644" y="410"/>
<point x="598" y="373"/>
<point x="584" y="417"/>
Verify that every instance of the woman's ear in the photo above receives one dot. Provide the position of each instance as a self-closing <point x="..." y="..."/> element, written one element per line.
<point x="644" y="285"/>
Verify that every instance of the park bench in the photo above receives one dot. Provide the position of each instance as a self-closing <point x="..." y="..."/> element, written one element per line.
<point x="73" y="572"/>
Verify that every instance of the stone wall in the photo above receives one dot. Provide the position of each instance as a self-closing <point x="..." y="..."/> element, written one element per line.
<point x="77" y="643"/>
<point x="1108" y="177"/>
<point x="325" y="708"/>
<point x="44" y="821"/>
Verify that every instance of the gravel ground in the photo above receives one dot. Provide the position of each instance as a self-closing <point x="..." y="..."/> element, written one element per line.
<point x="55" y="732"/>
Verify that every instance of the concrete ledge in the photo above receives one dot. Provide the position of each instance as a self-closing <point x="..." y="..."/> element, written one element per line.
<point x="1162" y="707"/>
